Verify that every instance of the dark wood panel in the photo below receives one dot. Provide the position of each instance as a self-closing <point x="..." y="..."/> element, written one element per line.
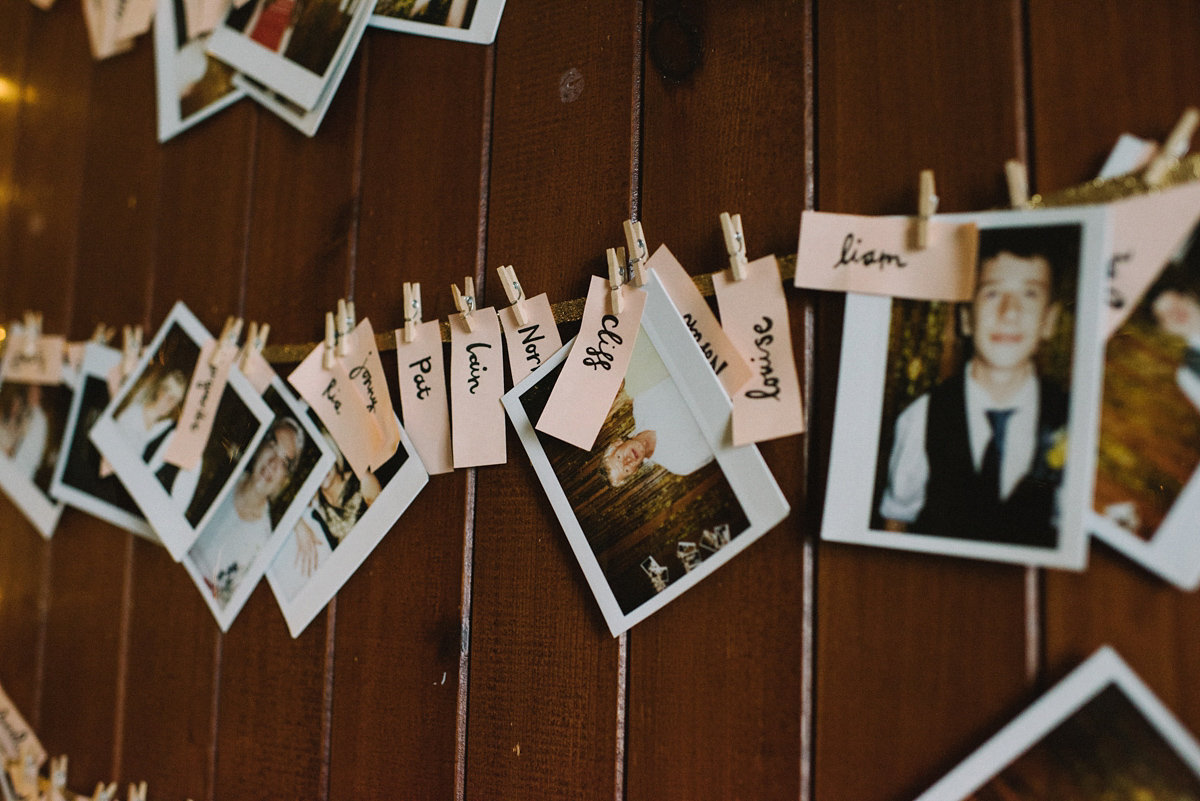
<point x="174" y="645"/>
<point x="171" y="680"/>
<point x="88" y="575"/>
<point x="273" y="688"/>
<point x="46" y="181"/>
<point x="1146" y="77"/>
<point x="544" y="669"/>
<point x="14" y="38"/>
<point x="701" y="726"/>
<point x="22" y="551"/>
<point x="916" y="656"/>
<point x="1102" y="69"/>
<point x="400" y="626"/>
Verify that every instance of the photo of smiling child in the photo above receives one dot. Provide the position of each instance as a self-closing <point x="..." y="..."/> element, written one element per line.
<point x="979" y="416"/>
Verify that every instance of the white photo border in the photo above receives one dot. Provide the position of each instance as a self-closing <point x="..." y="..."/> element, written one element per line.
<point x="169" y="523"/>
<point x="302" y="87"/>
<point x="484" y="24"/>
<point x="287" y="521"/>
<point x="367" y="533"/>
<point x="170" y="122"/>
<point x="1103" y="669"/>
<point x="859" y="409"/>
<point x="97" y="361"/>
<point x="748" y="475"/>
<point x="42" y="511"/>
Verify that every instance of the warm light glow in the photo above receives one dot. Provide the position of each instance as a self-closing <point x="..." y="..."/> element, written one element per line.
<point x="3" y="333"/>
<point x="9" y="91"/>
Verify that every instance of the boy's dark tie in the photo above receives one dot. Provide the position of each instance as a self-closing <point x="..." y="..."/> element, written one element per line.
<point x="993" y="455"/>
<point x="1191" y="360"/>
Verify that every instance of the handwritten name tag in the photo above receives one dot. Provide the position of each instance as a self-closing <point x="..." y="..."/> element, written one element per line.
<point x="258" y="372"/>
<point x="531" y="344"/>
<point x="719" y="351"/>
<point x="595" y="367"/>
<point x="850" y="253"/>
<point x="332" y="395"/>
<point x="200" y="405"/>
<point x="365" y="368"/>
<point x="15" y="733"/>
<point x="1146" y="232"/>
<point x="476" y="384"/>
<point x="40" y="364"/>
<point x="755" y="315"/>
<point x="423" y="396"/>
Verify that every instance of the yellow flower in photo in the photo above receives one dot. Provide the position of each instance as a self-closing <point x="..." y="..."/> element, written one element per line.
<point x="1056" y="455"/>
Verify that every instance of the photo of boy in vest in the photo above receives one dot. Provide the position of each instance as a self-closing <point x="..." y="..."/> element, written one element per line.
<point x="980" y="455"/>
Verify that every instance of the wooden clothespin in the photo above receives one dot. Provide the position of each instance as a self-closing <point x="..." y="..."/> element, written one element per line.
<point x="735" y="244"/>
<point x="615" y="264"/>
<point x="137" y="792"/>
<point x="1018" y="184"/>
<point x="23" y="771"/>
<point x="465" y="301"/>
<point x="926" y="207"/>
<point x="33" y="332"/>
<point x="1175" y="148"/>
<point x="412" y="310"/>
<point x="131" y="348"/>
<point x="345" y="325"/>
<point x="103" y="793"/>
<point x="256" y="340"/>
<point x="229" y="336"/>
<point x="635" y="238"/>
<point x="103" y="334"/>
<point x="330" y="354"/>
<point x="512" y="288"/>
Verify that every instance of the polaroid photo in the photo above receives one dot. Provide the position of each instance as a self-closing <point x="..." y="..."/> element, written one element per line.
<point x="191" y="84"/>
<point x="240" y="541"/>
<point x="134" y="431"/>
<point x="82" y="478"/>
<point x="663" y="498"/>
<point x="1147" y="497"/>
<point x="461" y="20"/>
<point x="341" y="524"/>
<point x="1098" y="733"/>
<point x="970" y="429"/>
<point x="33" y="418"/>
<point x="294" y="47"/>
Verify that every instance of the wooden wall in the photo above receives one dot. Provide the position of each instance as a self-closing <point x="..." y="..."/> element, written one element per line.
<point x="467" y="659"/>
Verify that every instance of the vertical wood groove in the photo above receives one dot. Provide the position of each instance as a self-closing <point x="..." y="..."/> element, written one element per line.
<point x="123" y="658"/>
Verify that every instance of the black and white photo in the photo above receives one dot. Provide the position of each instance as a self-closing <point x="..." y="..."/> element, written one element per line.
<point x="134" y="432"/>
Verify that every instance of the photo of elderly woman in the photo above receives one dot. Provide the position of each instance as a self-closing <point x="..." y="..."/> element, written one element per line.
<point x="227" y="551"/>
<point x="328" y="520"/>
<point x="652" y="462"/>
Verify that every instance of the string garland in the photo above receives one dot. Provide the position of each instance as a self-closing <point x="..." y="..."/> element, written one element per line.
<point x="567" y="311"/>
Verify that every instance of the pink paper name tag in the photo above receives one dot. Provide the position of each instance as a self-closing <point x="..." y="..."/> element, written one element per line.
<point x="423" y="396"/>
<point x="15" y="733"/>
<point x="719" y="351"/>
<point x="337" y="404"/>
<point x="200" y="405"/>
<point x="755" y="315"/>
<point x="532" y="343"/>
<point x="365" y="368"/>
<point x="40" y="364"/>
<point x="594" y="369"/>
<point x="850" y="253"/>
<point x="258" y="371"/>
<point x="476" y="384"/>
<point x="1146" y="232"/>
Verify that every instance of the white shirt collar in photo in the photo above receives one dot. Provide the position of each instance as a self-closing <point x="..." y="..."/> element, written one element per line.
<point x="1020" y="438"/>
